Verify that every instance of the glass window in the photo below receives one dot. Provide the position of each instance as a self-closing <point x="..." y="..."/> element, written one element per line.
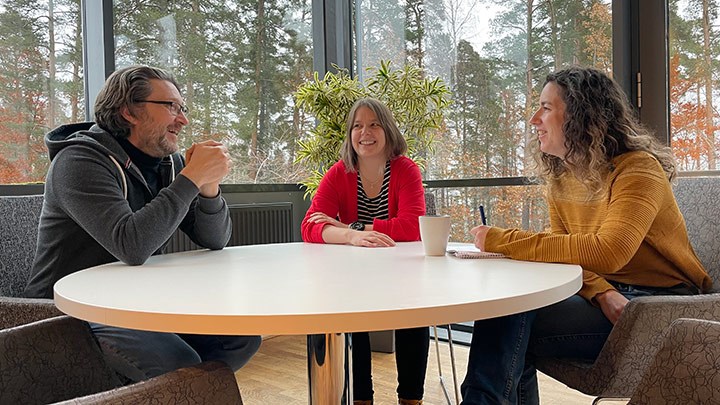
<point x="41" y="82"/>
<point x="694" y="88"/>
<point x="238" y="64"/>
<point x="494" y="56"/>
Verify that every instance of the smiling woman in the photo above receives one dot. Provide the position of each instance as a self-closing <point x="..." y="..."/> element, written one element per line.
<point x="548" y="121"/>
<point x="612" y="211"/>
<point x="372" y="198"/>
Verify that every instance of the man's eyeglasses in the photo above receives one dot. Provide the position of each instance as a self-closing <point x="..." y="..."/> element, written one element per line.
<point x="175" y="108"/>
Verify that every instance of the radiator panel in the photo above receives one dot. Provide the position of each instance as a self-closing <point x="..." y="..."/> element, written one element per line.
<point x="252" y="224"/>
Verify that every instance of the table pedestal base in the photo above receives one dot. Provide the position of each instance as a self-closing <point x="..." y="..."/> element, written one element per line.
<point x="329" y="369"/>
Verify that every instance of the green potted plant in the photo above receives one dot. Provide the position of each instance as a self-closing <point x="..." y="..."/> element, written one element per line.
<point x="418" y="104"/>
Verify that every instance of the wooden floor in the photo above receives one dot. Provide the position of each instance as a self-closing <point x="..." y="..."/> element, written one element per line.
<point x="278" y="375"/>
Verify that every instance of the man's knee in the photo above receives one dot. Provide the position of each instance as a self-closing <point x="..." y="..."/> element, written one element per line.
<point x="236" y="351"/>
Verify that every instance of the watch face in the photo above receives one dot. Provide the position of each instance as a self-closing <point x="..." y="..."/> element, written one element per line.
<point x="358" y="226"/>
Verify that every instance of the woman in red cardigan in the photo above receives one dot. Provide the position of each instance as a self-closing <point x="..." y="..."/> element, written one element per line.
<point x="373" y="197"/>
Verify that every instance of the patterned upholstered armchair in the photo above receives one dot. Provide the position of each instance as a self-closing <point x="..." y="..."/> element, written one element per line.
<point x="58" y="359"/>
<point x="19" y="219"/>
<point x="638" y="333"/>
<point x="686" y="368"/>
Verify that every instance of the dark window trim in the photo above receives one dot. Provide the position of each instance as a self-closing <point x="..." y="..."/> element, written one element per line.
<point x="98" y="48"/>
<point x="641" y="51"/>
<point x="332" y="28"/>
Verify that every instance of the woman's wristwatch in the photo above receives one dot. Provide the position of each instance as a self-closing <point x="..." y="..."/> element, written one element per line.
<point x="358" y="226"/>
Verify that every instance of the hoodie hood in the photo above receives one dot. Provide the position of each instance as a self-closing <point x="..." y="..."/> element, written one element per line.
<point x="84" y="133"/>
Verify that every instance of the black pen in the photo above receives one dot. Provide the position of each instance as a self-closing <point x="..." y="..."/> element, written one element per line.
<point x="482" y="215"/>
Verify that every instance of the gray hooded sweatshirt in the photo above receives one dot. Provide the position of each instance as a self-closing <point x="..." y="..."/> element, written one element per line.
<point x="98" y="208"/>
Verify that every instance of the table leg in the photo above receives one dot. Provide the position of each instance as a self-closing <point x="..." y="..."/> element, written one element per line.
<point x="329" y="369"/>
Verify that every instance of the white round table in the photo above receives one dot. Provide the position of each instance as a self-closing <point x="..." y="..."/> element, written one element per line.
<point x="301" y="288"/>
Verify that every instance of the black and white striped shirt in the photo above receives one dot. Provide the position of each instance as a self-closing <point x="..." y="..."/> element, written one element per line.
<point x="377" y="207"/>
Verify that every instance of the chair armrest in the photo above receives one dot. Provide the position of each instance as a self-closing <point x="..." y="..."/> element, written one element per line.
<point x="51" y="360"/>
<point x="16" y="311"/>
<point x="686" y="367"/>
<point x="636" y="337"/>
<point x="206" y="383"/>
<point x="645" y="318"/>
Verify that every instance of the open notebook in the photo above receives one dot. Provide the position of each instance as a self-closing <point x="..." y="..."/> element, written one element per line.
<point x="473" y="253"/>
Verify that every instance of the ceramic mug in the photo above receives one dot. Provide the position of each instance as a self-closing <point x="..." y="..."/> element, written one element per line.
<point x="434" y="233"/>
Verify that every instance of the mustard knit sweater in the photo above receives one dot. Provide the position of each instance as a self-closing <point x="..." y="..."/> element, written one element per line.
<point x="631" y="233"/>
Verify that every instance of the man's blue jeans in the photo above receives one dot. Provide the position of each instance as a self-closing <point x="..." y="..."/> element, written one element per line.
<point x="501" y="366"/>
<point x="138" y="355"/>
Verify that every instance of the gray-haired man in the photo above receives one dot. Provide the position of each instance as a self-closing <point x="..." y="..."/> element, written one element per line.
<point x="117" y="190"/>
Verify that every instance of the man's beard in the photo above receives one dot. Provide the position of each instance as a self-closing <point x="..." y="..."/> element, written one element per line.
<point x="166" y="147"/>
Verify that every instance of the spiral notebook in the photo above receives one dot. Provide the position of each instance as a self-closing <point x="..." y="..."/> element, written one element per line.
<point x="475" y="254"/>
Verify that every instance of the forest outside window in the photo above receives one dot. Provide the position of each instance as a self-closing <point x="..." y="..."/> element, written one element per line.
<point x="695" y="83"/>
<point x="239" y="62"/>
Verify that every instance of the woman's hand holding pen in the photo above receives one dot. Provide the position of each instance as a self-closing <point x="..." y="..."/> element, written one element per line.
<point x="479" y="232"/>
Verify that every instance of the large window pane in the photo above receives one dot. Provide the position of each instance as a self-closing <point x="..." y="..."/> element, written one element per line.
<point x="694" y="85"/>
<point x="238" y="64"/>
<point x="494" y="56"/>
<point x="40" y="81"/>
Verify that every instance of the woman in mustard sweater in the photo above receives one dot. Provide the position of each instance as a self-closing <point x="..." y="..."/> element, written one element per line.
<point x="612" y="211"/>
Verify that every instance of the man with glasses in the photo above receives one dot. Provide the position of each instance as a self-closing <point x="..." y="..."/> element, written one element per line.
<point x="117" y="189"/>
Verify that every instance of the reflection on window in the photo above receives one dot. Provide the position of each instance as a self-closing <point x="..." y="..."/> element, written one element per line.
<point x="694" y="90"/>
<point x="40" y="82"/>
<point x="238" y="64"/>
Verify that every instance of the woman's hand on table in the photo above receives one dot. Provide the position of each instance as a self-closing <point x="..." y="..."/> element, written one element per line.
<point x="370" y="239"/>
<point x="320" y="218"/>
<point x="479" y="232"/>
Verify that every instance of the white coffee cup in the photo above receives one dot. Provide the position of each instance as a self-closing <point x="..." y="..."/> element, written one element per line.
<point x="434" y="233"/>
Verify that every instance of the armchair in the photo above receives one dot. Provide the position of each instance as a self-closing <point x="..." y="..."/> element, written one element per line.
<point x="51" y="360"/>
<point x="637" y="335"/>
<point x="211" y="382"/>
<point x="20" y="217"/>
<point x="686" y="368"/>
<point x="58" y="359"/>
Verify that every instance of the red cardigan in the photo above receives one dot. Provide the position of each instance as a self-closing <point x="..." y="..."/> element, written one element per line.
<point x="337" y="197"/>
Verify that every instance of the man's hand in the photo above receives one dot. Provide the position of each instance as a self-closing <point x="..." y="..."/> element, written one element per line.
<point x="612" y="304"/>
<point x="479" y="232"/>
<point x="206" y="164"/>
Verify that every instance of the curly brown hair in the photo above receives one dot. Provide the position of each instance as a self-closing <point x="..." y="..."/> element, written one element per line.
<point x="599" y="125"/>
